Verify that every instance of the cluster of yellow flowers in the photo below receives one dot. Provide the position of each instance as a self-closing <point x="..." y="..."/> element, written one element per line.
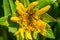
<point x="30" y="20"/>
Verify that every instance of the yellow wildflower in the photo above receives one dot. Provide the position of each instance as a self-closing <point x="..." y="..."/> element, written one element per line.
<point x="30" y="21"/>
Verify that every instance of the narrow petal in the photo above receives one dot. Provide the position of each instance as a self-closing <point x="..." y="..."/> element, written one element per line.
<point x="42" y="11"/>
<point x="40" y="26"/>
<point x="42" y="32"/>
<point x="31" y="6"/>
<point x="21" y="33"/>
<point x="28" y="35"/>
<point x="16" y="33"/>
<point x="21" y="6"/>
<point x="20" y="11"/>
<point x="15" y="19"/>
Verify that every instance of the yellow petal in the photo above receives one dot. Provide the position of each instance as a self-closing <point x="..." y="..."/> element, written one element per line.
<point x="42" y="10"/>
<point x="21" y="33"/>
<point x="28" y="35"/>
<point x="43" y="32"/>
<point x="42" y="27"/>
<point x="21" y="6"/>
<point x="31" y="6"/>
<point x="40" y="24"/>
<point x="30" y="28"/>
<point x="14" y="19"/>
<point x="20" y="11"/>
<point x="16" y="33"/>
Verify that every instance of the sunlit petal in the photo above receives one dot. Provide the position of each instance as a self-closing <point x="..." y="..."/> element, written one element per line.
<point x="31" y="6"/>
<point x="42" y="11"/>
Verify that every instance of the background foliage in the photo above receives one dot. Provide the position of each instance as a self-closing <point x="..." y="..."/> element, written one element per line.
<point x="7" y="28"/>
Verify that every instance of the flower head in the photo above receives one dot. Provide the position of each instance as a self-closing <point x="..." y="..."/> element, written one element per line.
<point x="30" y="20"/>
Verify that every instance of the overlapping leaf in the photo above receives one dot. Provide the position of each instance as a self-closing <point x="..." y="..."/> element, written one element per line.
<point x="47" y="18"/>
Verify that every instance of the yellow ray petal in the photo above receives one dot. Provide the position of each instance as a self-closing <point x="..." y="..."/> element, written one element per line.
<point x="31" y="6"/>
<point x="21" y="32"/>
<point x="40" y="26"/>
<point x="21" y="6"/>
<point x="28" y="35"/>
<point x="42" y="11"/>
<point x="15" y="19"/>
<point x="42" y="32"/>
<point x="16" y="33"/>
<point x="20" y="11"/>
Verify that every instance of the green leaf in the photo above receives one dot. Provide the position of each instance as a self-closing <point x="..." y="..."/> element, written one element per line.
<point x="55" y="5"/>
<point x="6" y="6"/>
<point x="32" y="0"/>
<point x="12" y="29"/>
<point x="49" y="32"/>
<point x="47" y="18"/>
<point x="13" y="6"/>
<point x="4" y="21"/>
<point x="43" y="3"/>
<point x="13" y="26"/>
<point x="26" y="3"/>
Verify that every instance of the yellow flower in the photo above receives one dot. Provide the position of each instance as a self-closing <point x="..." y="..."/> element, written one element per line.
<point x="28" y="35"/>
<point x="30" y="21"/>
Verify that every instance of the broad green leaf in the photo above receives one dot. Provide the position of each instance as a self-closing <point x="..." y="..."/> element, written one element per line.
<point x="4" y="21"/>
<point x="47" y="18"/>
<point x="12" y="29"/>
<point x="49" y="32"/>
<point x="13" y="6"/>
<point x="6" y="7"/>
